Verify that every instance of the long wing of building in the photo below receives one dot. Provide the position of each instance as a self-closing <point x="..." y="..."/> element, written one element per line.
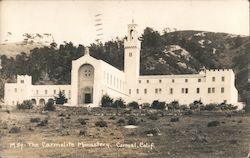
<point x="92" y="78"/>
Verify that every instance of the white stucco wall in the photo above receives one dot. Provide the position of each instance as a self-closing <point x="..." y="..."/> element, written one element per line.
<point x="129" y="85"/>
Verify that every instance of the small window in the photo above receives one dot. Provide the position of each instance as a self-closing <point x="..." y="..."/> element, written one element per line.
<point x="130" y="54"/>
<point x="209" y="90"/>
<point x="156" y="91"/>
<point x="213" y="90"/>
<point x="222" y="90"/>
<point x="37" y="91"/>
<point x="197" y="90"/>
<point x="222" y="78"/>
<point x="15" y="89"/>
<point x="182" y="90"/>
<point x="186" y="90"/>
<point x="139" y="81"/>
<point x="45" y="91"/>
<point x="129" y="91"/>
<point x="213" y="79"/>
<point x="171" y="91"/>
<point x="159" y="81"/>
<point x="54" y="91"/>
<point x="199" y="80"/>
<point x="69" y="92"/>
<point x="147" y="81"/>
<point x="145" y="91"/>
<point x="186" y="80"/>
<point x="172" y="80"/>
<point x="22" y="81"/>
<point x="63" y="91"/>
<point x="137" y="91"/>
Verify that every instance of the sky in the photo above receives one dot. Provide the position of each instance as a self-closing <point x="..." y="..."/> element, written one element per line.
<point x="74" y="20"/>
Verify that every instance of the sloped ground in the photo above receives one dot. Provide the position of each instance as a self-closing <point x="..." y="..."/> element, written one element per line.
<point x="188" y="137"/>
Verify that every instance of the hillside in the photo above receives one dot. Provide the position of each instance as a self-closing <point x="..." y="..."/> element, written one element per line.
<point x="11" y="47"/>
<point x="177" y="52"/>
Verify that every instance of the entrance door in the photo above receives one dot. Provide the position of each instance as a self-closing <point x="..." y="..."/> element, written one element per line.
<point x="87" y="98"/>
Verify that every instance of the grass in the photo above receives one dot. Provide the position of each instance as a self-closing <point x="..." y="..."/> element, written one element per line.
<point x="189" y="137"/>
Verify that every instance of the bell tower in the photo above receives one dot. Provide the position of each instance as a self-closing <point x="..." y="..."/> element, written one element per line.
<point x="132" y="47"/>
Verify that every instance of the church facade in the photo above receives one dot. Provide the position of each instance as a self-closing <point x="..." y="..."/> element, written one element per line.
<point x="92" y="78"/>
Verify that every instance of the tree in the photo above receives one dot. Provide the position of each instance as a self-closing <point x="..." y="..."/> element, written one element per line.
<point x="61" y="99"/>
<point x="106" y="101"/>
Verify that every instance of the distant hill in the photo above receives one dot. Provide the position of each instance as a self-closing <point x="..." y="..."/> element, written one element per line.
<point x="176" y="52"/>
<point x="10" y="47"/>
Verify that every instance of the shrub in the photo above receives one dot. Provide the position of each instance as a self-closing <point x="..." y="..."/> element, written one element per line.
<point x="119" y="104"/>
<point x="43" y="123"/>
<point x="188" y="112"/>
<point x="174" y="119"/>
<point x="36" y="119"/>
<point x="61" y="99"/>
<point x="224" y="106"/>
<point x="213" y="123"/>
<point x="49" y="106"/>
<point x="82" y="121"/>
<point x="133" y="105"/>
<point x="195" y="105"/>
<point x="83" y="132"/>
<point x="184" y="107"/>
<point x="211" y="107"/>
<point x="153" y="117"/>
<point x="27" y="104"/>
<point x="106" y="101"/>
<point x="158" y="105"/>
<point x="101" y="123"/>
<point x="174" y="105"/>
<point x="154" y="132"/>
<point x="121" y="120"/>
<point x="112" y="118"/>
<point x="15" y="130"/>
<point x="145" y="105"/>
<point x="132" y="121"/>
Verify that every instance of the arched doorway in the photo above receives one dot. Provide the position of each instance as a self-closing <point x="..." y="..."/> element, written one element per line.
<point x="33" y="101"/>
<point x="41" y="102"/>
<point x="85" y="84"/>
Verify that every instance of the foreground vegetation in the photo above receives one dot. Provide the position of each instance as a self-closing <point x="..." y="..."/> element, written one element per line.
<point x="172" y="133"/>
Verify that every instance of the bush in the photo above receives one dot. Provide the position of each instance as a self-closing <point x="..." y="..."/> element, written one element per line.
<point x="49" y="106"/>
<point x="133" y="105"/>
<point x="15" y="130"/>
<point x="174" y="119"/>
<point x="174" y="105"/>
<point x="121" y="121"/>
<point x="27" y="104"/>
<point x="61" y="99"/>
<point x="82" y="121"/>
<point x="132" y="121"/>
<point x="106" y="101"/>
<point x="37" y="119"/>
<point x="154" y="132"/>
<point x="43" y="123"/>
<point x="158" y="105"/>
<point x="213" y="123"/>
<point x="101" y="123"/>
<point x="195" y="105"/>
<point x="145" y="105"/>
<point x="83" y="132"/>
<point x="184" y="107"/>
<point x="153" y="117"/>
<point x="224" y="106"/>
<point x="112" y="118"/>
<point x="119" y="104"/>
<point x="211" y="107"/>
